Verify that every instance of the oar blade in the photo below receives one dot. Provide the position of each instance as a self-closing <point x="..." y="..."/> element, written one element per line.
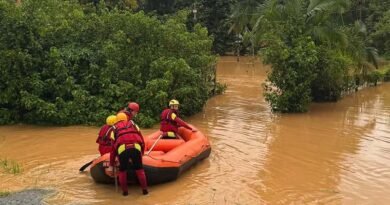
<point x="85" y="166"/>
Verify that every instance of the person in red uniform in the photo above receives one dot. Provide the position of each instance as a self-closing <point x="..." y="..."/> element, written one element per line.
<point x="128" y="143"/>
<point x="103" y="138"/>
<point x="170" y="121"/>
<point x="131" y="110"/>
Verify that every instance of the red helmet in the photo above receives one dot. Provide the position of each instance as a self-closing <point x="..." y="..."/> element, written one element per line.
<point x="133" y="106"/>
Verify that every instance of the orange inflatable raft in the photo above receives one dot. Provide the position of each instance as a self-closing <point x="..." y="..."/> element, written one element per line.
<point x="167" y="160"/>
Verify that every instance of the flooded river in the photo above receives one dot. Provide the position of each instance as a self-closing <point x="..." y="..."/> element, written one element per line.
<point x="338" y="153"/>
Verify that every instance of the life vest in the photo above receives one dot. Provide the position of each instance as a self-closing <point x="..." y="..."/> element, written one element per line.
<point x="168" y="123"/>
<point x="126" y="135"/>
<point x="104" y="136"/>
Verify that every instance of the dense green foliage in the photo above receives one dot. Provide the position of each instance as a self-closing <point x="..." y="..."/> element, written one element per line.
<point x="381" y="35"/>
<point x="244" y="22"/>
<point x="216" y="16"/>
<point x="311" y="69"/>
<point x="62" y="65"/>
<point x="291" y="75"/>
<point x="213" y="14"/>
<point x="385" y="73"/>
<point x="373" y="13"/>
<point x="111" y="4"/>
<point x="165" y="7"/>
<point x="318" y="49"/>
<point x="62" y="62"/>
<point x="331" y="76"/>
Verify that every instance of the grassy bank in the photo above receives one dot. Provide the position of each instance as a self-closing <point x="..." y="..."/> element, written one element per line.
<point x="10" y="166"/>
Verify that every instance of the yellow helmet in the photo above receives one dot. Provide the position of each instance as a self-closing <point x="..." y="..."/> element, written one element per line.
<point x="173" y="102"/>
<point x="121" y="116"/>
<point x="111" y="120"/>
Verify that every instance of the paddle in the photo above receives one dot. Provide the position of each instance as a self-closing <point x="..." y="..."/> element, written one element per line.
<point x="85" y="166"/>
<point x="116" y="180"/>
<point x="154" y="144"/>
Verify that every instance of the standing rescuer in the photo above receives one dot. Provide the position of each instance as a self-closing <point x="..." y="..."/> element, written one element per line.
<point x="170" y="121"/>
<point x="103" y="138"/>
<point x="128" y="143"/>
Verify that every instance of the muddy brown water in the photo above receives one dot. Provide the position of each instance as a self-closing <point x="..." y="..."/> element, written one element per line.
<point x="338" y="153"/>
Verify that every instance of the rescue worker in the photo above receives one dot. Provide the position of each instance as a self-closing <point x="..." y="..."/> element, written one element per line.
<point x="132" y="106"/>
<point x="103" y="138"/>
<point x="170" y="121"/>
<point x="128" y="143"/>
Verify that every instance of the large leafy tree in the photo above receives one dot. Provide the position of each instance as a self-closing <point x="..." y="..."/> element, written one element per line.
<point x="370" y="13"/>
<point x="306" y="43"/>
<point x="60" y="65"/>
<point x="298" y="35"/>
<point x="367" y="11"/>
<point x="214" y="15"/>
<point x="381" y="35"/>
<point x="244" y="18"/>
